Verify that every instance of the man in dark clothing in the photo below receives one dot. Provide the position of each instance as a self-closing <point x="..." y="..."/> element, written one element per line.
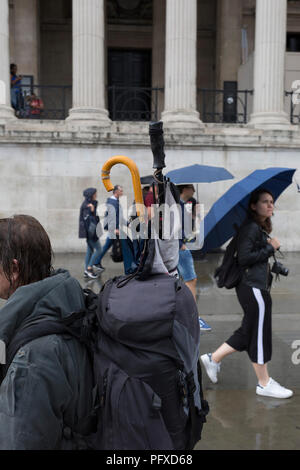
<point x="113" y="224"/>
<point x="46" y="393"/>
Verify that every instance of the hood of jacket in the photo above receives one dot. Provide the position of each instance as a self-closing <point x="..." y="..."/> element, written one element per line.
<point x="88" y="193"/>
<point x="54" y="297"/>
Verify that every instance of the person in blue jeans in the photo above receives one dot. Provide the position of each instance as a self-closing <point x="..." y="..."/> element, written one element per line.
<point x="15" y="84"/>
<point x="186" y="266"/>
<point x="88" y="221"/>
<point x="115" y="220"/>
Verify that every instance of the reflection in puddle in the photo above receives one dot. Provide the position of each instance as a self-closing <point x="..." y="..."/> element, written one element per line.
<point x="239" y="420"/>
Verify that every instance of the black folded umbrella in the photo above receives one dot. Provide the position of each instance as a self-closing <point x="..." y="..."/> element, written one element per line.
<point x="149" y="179"/>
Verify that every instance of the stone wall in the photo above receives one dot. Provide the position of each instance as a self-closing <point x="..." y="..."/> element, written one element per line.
<point x="45" y="168"/>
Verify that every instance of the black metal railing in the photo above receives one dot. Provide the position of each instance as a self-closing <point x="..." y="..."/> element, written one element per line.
<point x="42" y="101"/>
<point x="294" y="106"/>
<point x="222" y="106"/>
<point x="142" y="104"/>
<point x="133" y="103"/>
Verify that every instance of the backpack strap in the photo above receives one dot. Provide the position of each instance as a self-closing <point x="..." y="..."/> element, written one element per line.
<point x="194" y="434"/>
<point x="78" y="325"/>
<point x="43" y="328"/>
<point x="191" y="390"/>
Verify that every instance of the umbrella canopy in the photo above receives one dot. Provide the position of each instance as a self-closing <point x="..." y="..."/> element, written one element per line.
<point x="232" y="207"/>
<point x="198" y="174"/>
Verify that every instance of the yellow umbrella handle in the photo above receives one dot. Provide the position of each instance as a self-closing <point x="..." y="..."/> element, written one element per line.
<point x="138" y="194"/>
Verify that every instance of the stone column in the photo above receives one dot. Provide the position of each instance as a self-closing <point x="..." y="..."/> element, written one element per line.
<point x="6" y="111"/>
<point x="180" y="65"/>
<point x="88" y="64"/>
<point x="269" y="65"/>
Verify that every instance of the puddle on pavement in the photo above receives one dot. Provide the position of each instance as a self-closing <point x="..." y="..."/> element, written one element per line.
<point x="240" y="420"/>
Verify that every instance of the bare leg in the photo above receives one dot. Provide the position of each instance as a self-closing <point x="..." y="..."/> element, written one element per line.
<point x="223" y="351"/>
<point x="262" y="374"/>
<point x="192" y="286"/>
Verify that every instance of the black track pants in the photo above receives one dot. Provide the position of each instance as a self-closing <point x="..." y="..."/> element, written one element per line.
<point x="255" y="332"/>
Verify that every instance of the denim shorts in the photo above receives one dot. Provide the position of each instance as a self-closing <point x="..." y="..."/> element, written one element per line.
<point x="186" y="265"/>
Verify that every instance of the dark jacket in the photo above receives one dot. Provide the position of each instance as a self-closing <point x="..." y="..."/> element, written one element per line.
<point x="47" y="388"/>
<point x="86" y="216"/>
<point x="113" y="216"/>
<point x="253" y="253"/>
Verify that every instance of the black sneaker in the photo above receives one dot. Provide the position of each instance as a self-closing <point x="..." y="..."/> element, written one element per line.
<point x="90" y="274"/>
<point x="98" y="268"/>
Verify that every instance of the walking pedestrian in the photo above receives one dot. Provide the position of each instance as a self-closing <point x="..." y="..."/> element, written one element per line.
<point x="186" y="266"/>
<point x="88" y="221"/>
<point x="254" y="248"/>
<point x="46" y="393"/>
<point x="114" y="223"/>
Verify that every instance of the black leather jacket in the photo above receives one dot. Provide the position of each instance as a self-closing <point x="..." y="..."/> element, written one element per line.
<point x="253" y="253"/>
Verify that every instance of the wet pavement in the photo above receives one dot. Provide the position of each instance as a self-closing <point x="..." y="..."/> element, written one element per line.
<point x="238" y="418"/>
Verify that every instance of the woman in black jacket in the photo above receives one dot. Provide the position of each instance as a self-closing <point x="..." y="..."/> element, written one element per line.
<point x="88" y="221"/>
<point x="255" y="247"/>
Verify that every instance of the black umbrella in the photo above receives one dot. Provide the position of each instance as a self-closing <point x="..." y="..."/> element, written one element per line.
<point x="148" y="180"/>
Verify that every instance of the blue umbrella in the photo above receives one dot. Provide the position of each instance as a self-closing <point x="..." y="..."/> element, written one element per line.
<point x="198" y="174"/>
<point x="231" y="208"/>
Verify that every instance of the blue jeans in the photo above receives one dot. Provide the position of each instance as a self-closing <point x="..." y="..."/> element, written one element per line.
<point x="186" y="265"/>
<point x="92" y="253"/>
<point x="108" y="243"/>
<point x="15" y="95"/>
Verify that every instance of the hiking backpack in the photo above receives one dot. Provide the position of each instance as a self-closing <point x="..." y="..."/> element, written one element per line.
<point x="229" y="273"/>
<point x="144" y="342"/>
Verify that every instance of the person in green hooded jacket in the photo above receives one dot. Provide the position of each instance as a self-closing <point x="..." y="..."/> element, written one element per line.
<point x="45" y="394"/>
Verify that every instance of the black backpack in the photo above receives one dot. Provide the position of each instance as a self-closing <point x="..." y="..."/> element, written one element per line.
<point x="229" y="273"/>
<point x="143" y="337"/>
<point x="116" y="252"/>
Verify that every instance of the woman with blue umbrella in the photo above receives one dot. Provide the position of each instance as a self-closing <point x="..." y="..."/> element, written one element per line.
<point x="254" y="248"/>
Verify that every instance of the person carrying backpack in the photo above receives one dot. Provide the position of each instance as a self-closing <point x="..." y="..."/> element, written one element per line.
<point x="45" y="391"/>
<point x="127" y="377"/>
<point x="254" y="248"/>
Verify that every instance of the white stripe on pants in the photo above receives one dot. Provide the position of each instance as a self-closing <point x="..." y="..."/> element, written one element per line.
<point x="261" y="316"/>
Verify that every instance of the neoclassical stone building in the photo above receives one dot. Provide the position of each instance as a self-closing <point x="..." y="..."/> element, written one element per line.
<point x="219" y="73"/>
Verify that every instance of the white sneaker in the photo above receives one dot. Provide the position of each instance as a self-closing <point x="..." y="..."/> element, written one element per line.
<point x="98" y="269"/>
<point x="212" y="368"/>
<point x="274" y="390"/>
<point x="90" y="274"/>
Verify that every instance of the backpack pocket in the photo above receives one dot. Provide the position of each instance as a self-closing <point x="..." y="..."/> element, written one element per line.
<point x="131" y="415"/>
